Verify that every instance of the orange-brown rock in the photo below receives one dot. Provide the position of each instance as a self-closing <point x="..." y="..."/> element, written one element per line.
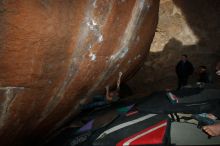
<point x="55" y="53"/>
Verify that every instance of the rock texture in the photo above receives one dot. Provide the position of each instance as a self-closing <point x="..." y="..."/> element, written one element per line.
<point x="185" y="27"/>
<point x="55" y="53"/>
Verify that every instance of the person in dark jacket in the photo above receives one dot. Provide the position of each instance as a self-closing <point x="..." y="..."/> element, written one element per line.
<point x="184" y="69"/>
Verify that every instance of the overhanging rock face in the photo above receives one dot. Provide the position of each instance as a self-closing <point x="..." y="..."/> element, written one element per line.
<point x="55" y="53"/>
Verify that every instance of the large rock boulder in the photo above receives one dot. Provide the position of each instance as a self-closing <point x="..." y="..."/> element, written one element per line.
<point x="55" y="53"/>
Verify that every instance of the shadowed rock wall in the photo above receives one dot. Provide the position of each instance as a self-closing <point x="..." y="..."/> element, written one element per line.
<point x="55" y="53"/>
<point x="189" y="27"/>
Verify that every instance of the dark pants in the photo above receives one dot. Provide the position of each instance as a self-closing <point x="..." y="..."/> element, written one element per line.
<point x="98" y="101"/>
<point x="182" y="81"/>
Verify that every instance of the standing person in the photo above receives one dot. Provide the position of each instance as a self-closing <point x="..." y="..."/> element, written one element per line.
<point x="184" y="69"/>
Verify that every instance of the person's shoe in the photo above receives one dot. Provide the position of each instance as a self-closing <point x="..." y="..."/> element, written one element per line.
<point x="203" y="120"/>
<point x="173" y="98"/>
<point x="210" y="116"/>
